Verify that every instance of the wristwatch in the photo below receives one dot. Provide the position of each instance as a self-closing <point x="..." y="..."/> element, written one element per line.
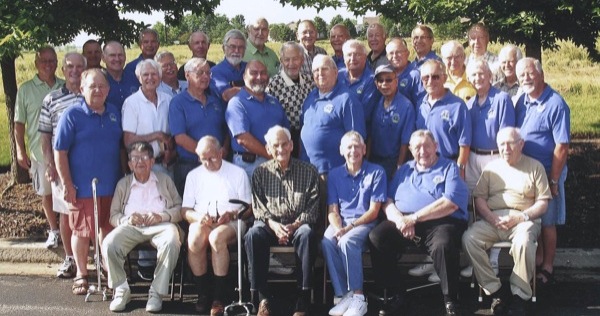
<point x="553" y="182"/>
<point x="525" y="217"/>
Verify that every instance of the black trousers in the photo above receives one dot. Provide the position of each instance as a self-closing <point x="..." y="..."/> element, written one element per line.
<point x="440" y="237"/>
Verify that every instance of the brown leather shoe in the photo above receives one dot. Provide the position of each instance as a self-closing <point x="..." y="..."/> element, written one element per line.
<point x="264" y="308"/>
<point x="217" y="309"/>
<point x="299" y="314"/>
<point x="202" y="304"/>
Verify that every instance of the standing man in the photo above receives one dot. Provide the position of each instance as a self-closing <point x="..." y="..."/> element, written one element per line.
<point x="511" y="195"/>
<point x="258" y="35"/>
<point x="249" y="116"/>
<point x="54" y="104"/>
<point x="122" y="84"/>
<point x="422" y="39"/>
<point x="545" y="121"/>
<point x="169" y="83"/>
<point x="149" y="44"/>
<point x="453" y="55"/>
<point x="508" y="58"/>
<point x="306" y="33"/>
<point x="227" y="76"/>
<point x="286" y="207"/>
<point x="338" y="35"/>
<point x="376" y="37"/>
<point x="27" y="114"/>
<point x="479" y="38"/>
<point x="92" y="51"/>
<point x="198" y="43"/>
<point x="291" y="87"/>
<point x="409" y="77"/>
<point x="426" y="204"/>
<point x="87" y="147"/>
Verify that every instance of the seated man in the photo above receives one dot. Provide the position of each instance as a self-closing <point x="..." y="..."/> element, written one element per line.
<point x="511" y="196"/>
<point x="285" y="195"/>
<point x="213" y="225"/>
<point x="145" y="208"/>
<point x="427" y="201"/>
<point x="356" y="191"/>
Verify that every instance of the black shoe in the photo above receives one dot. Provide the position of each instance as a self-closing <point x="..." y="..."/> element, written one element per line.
<point x="146" y="273"/>
<point x="394" y="306"/>
<point x="498" y="306"/>
<point x="202" y="304"/>
<point x="451" y="309"/>
<point x="517" y="306"/>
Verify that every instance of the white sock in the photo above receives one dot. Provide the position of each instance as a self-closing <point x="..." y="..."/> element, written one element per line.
<point x="124" y="286"/>
<point x="359" y="296"/>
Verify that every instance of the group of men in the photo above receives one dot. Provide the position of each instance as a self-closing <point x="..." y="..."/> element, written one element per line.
<point x="311" y="138"/>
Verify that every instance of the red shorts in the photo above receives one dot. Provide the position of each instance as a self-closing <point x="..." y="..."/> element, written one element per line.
<point x="81" y="216"/>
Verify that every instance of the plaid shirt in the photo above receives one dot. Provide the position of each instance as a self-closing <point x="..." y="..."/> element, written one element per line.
<point x="308" y="59"/>
<point x="291" y="95"/>
<point x="286" y="196"/>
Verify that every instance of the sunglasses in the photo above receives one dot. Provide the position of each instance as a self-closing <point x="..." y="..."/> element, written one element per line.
<point x="386" y="80"/>
<point x="430" y="77"/>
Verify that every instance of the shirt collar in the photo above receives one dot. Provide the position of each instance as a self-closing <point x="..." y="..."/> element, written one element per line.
<point x="151" y="179"/>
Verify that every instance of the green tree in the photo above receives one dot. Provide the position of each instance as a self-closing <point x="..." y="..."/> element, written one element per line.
<point x="239" y="22"/>
<point x="336" y="20"/>
<point x="351" y="27"/>
<point x="321" y="26"/>
<point x="27" y="24"/>
<point x="281" y="33"/>
<point x="536" y="24"/>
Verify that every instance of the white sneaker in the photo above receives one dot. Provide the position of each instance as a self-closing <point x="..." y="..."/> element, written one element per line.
<point x="434" y="278"/>
<point x="68" y="269"/>
<point x="52" y="241"/>
<point x="467" y="272"/>
<point x="277" y="267"/>
<point x="358" y="306"/>
<point x="495" y="267"/>
<point x="340" y="308"/>
<point x="421" y="270"/>
<point x="121" y="298"/>
<point x="154" y="302"/>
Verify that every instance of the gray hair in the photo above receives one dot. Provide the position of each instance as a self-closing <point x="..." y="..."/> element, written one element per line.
<point x="509" y="130"/>
<point x="352" y="43"/>
<point x="536" y="63"/>
<point x="160" y="55"/>
<point x="89" y="72"/>
<point x="198" y="32"/>
<point x="43" y="49"/>
<point x="433" y="62"/>
<point x="148" y="31"/>
<point x="271" y="134"/>
<point x="208" y="141"/>
<point x="147" y="62"/>
<point x="509" y="48"/>
<point x="479" y="63"/>
<point x="290" y="45"/>
<point x="326" y="60"/>
<point x="450" y="47"/>
<point x="352" y="135"/>
<point x="110" y="43"/>
<point x="141" y="147"/>
<point x="234" y="34"/>
<point x="421" y="133"/>
<point x="193" y="63"/>
<point x="74" y="54"/>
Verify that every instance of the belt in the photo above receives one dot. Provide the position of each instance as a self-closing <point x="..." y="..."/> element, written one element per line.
<point x="484" y="151"/>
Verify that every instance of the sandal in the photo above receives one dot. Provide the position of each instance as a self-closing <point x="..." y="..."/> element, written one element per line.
<point x="80" y="285"/>
<point x="544" y="274"/>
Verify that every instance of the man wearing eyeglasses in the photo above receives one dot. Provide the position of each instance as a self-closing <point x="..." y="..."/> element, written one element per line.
<point x="145" y="207"/>
<point x="409" y="77"/>
<point x="392" y="124"/>
<point x="422" y="39"/>
<point x="212" y="220"/>
<point x="227" y="76"/>
<point x="258" y="35"/>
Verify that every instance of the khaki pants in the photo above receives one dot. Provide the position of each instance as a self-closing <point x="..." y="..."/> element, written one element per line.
<point x="165" y="237"/>
<point x="482" y="235"/>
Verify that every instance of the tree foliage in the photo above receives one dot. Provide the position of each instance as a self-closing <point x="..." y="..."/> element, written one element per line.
<point x="281" y="33"/>
<point x="321" y="26"/>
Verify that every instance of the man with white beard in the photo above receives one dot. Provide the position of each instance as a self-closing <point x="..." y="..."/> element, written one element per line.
<point x="249" y="115"/>
<point x="227" y="76"/>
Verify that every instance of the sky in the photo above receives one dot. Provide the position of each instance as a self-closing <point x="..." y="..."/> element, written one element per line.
<point x="272" y="10"/>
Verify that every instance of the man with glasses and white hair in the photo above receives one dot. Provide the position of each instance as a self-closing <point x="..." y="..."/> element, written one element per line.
<point x="169" y="83"/>
<point x="422" y="40"/>
<point x="227" y="76"/>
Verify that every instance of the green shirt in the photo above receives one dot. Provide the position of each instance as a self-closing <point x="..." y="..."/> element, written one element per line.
<point x="27" y="111"/>
<point x="267" y="57"/>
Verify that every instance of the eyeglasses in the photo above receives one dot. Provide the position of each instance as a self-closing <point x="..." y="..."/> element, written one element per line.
<point x="386" y="80"/>
<point x="235" y="47"/>
<point x="430" y="77"/>
<point x="201" y="73"/>
<point x="139" y="158"/>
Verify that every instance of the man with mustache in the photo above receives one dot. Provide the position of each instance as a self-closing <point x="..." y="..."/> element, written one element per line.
<point x="227" y="75"/>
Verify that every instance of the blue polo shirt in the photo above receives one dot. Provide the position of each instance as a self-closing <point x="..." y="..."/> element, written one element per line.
<point x="431" y="55"/>
<point x="392" y="127"/>
<point x="339" y="62"/>
<point x="325" y="119"/>
<point x="544" y="123"/>
<point x="412" y="190"/>
<point x="130" y="67"/>
<point x="354" y="194"/>
<point x="410" y="85"/>
<point x="189" y="116"/>
<point x="487" y="119"/>
<point x="364" y="88"/>
<point x="449" y="121"/>
<point x="93" y="142"/>
<point x="223" y="73"/>
<point x="120" y="90"/>
<point x="247" y="114"/>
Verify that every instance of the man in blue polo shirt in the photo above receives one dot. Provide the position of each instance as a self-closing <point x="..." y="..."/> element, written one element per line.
<point x="338" y="35"/>
<point x="393" y="122"/>
<point x="358" y="77"/>
<point x="193" y="114"/>
<point x="250" y="114"/>
<point x="427" y="203"/>
<point x="227" y="76"/>
<point x="445" y="115"/>
<point x="122" y="84"/>
<point x="87" y="146"/>
<point x="545" y="121"/>
<point x="422" y="39"/>
<point x="409" y="77"/>
<point x="149" y="44"/>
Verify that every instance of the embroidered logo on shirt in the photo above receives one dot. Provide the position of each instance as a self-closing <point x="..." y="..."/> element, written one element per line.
<point x="491" y="113"/>
<point x="271" y="101"/>
<point x="359" y="90"/>
<point x="113" y="117"/>
<point x="396" y="118"/>
<point x="438" y="179"/>
<point x="445" y="115"/>
<point x="328" y="108"/>
<point x="404" y="83"/>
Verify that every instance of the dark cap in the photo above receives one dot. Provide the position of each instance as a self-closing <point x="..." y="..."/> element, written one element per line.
<point x="383" y="69"/>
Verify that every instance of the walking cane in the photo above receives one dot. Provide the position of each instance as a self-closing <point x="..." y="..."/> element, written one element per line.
<point x="92" y="289"/>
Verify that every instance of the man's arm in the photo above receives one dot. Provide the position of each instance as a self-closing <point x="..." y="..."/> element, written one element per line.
<point x="402" y="155"/>
<point x="186" y="142"/>
<point x="117" y="204"/>
<point x="252" y="144"/>
<point x="190" y="215"/>
<point x="62" y="166"/>
<point x="441" y="207"/>
<point x="334" y="217"/>
<point x="46" y="140"/>
<point x="484" y="211"/>
<point x="463" y="158"/>
<point x="559" y="159"/>
<point x="230" y="93"/>
<point x="22" y="158"/>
